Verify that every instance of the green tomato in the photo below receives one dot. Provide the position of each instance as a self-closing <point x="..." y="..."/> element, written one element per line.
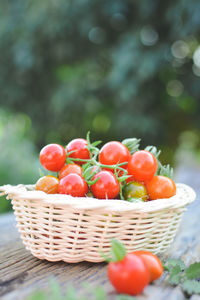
<point x="135" y="189"/>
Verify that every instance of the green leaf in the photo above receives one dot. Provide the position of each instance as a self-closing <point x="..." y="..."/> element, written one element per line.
<point x="191" y="287"/>
<point x="172" y="262"/>
<point x="105" y="257"/>
<point x="175" y="275"/>
<point x="193" y="271"/>
<point x="94" y="144"/>
<point x="153" y="150"/>
<point x="118" y="250"/>
<point x="70" y="294"/>
<point x="165" y="171"/>
<point x="38" y="296"/>
<point x="132" y="144"/>
<point x="99" y="293"/>
<point x="55" y="291"/>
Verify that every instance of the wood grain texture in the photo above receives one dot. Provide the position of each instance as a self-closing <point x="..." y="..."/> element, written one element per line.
<point x="21" y="273"/>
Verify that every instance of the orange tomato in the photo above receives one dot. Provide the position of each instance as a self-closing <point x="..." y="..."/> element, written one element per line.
<point x="48" y="184"/>
<point x="152" y="262"/>
<point x="70" y="168"/>
<point x="161" y="187"/>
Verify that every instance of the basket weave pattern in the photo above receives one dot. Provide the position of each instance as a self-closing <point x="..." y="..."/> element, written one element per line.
<point x="60" y="227"/>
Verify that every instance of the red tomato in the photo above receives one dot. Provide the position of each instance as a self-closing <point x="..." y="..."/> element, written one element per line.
<point x="74" y="185"/>
<point x="70" y="168"/>
<point x="152" y="262"/>
<point x="113" y="153"/>
<point x="80" y="148"/>
<point x="107" y="187"/>
<point x="128" y="276"/>
<point x="161" y="187"/>
<point x="142" y="165"/>
<point x="47" y="184"/>
<point x="53" y="157"/>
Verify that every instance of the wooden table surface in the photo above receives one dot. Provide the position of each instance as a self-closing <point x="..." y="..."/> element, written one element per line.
<point x="21" y="274"/>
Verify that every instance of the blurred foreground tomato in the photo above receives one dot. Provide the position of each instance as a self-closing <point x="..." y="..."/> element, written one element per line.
<point x="152" y="263"/>
<point x="127" y="272"/>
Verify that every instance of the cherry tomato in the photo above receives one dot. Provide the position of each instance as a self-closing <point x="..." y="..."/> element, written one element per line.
<point x="47" y="184"/>
<point x="53" y="157"/>
<point x="80" y="148"/>
<point x="152" y="262"/>
<point x="70" y="168"/>
<point x="113" y="153"/>
<point x="135" y="190"/>
<point x="74" y="185"/>
<point x="107" y="187"/>
<point x="161" y="187"/>
<point x="129" y="276"/>
<point x="142" y="165"/>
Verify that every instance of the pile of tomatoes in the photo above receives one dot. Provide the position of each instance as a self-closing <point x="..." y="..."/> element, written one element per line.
<point x="118" y="170"/>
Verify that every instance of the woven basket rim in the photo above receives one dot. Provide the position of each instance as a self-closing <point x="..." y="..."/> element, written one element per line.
<point x="184" y="196"/>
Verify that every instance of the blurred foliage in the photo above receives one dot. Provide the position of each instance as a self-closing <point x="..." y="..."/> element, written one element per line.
<point x="119" y="68"/>
<point x="87" y="292"/>
<point x="18" y="156"/>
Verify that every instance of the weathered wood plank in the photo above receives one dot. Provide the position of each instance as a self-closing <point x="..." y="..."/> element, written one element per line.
<point x="21" y="273"/>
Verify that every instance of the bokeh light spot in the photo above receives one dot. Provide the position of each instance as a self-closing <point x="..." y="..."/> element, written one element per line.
<point x="101" y="123"/>
<point x="196" y="57"/>
<point x="180" y="49"/>
<point x="196" y="70"/>
<point x="96" y="35"/>
<point x="175" y="88"/>
<point x="148" y="36"/>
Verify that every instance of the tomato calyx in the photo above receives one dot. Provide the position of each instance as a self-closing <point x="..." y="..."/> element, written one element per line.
<point x="117" y="252"/>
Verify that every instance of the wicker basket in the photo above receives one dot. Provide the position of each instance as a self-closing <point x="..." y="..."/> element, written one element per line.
<point x="61" y="227"/>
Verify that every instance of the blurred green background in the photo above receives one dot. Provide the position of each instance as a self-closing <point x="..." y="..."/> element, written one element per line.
<point x="118" y="68"/>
